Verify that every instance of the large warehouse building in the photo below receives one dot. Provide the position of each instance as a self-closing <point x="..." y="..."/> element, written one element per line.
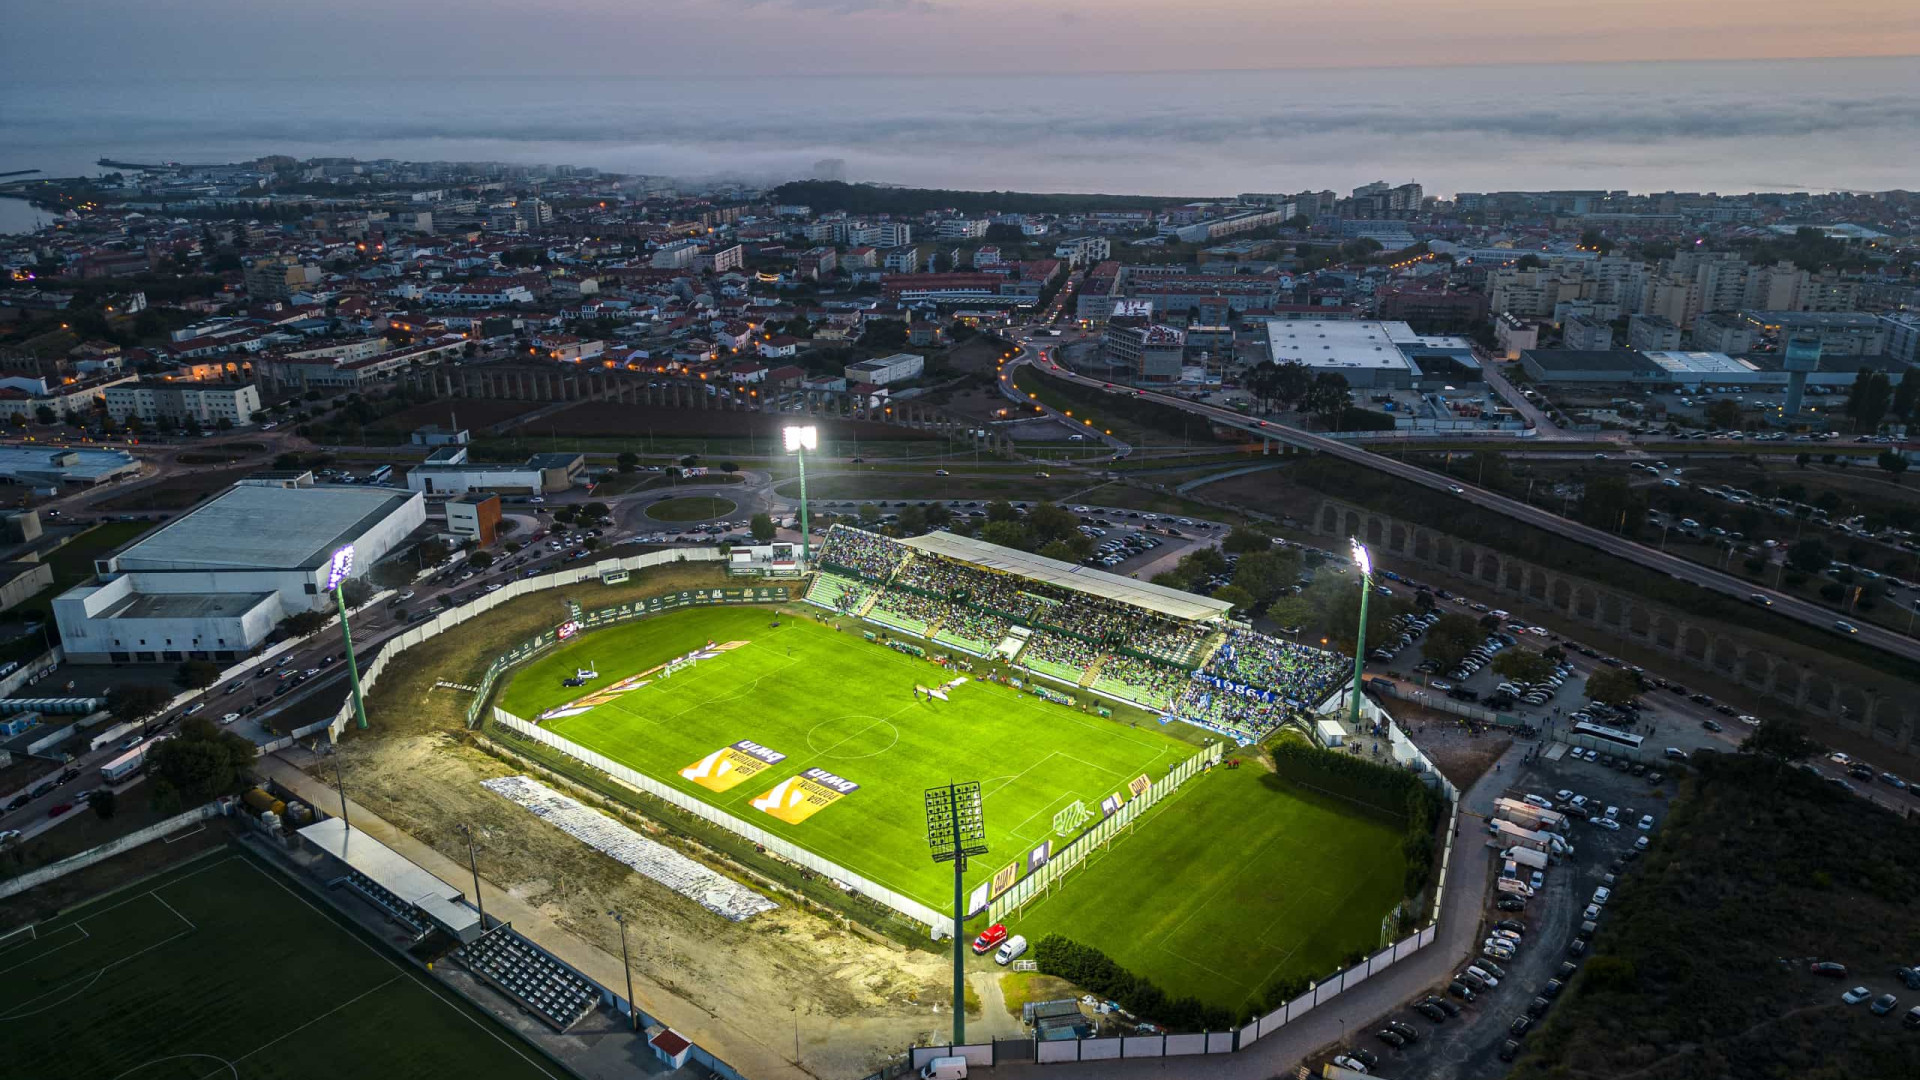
<point x="1383" y="355"/>
<point x="215" y="582"/>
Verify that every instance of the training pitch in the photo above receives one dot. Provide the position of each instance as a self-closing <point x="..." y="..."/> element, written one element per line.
<point x="218" y="969"/>
<point x="831" y="700"/>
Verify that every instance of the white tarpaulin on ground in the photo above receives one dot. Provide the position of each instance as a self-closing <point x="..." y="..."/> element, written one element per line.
<point x="718" y="894"/>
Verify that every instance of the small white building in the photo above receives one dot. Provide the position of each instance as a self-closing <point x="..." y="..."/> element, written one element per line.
<point x="900" y="367"/>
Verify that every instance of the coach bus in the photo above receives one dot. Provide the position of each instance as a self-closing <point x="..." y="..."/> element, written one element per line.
<point x="380" y="475"/>
<point x="1612" y="736"/>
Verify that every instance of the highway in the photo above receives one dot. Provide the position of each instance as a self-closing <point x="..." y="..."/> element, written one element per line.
<point x="1673" y="566"/>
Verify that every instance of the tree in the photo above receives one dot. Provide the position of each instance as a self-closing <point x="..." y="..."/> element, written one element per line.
<point x="1233" y="594"/>
<point x="393" y="574"/>
<point x="1905" y="397"/>
<point x="356" y="592"/>
<point x="1529" y="261"/>
<point x="480" y="560"/>
<point x="1450" y="638"/>
<point x="45" y="415"/>
<point x="431" y="552"/>
<point x="594" y="511"/>
<point x="1262" y="574"/>
<point x="1326" y="397"/>
<point x="1523" y="665"/>
<point x="1869" y="405"/>
<point x="938" y="514"/>
<point x="1894" y="462"/>
<point x="1783" y="739"/>
<point x="196" y="674"/>
<point x="628" y="461"/>
<point x="1058" y="549"/>
<point x="1005" y="533"/>
<point x="1724" y="413"/>
<point x="1610" y="503"/>
<point x="869" y="515"/>
<point x="1613" y="686"/>
<point x="1001" y="510"/>
<point x="1242" y="539"/>
<point x="761" y="526"/>
<point x="913" y="521"/>
<point x="1049" y="521"/>
<point x="301" y="623"/>
<point x="1595" y="240"/>
<point x="103" y="803"/>
<point x="200" y="763"/>
<point x="1809" y="556"/>
<point x="729" y="467"/>
<point x="136" y="702"/>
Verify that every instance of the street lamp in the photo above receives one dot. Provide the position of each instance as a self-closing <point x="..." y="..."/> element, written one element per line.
<point x="1365" y="563"/>
<point x="633" y="1007"/>
<point x="338" y="570"/>
<point x="799" y="440"/>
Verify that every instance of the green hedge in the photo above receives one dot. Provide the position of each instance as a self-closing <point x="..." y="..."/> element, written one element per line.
<point x="1095" y="972"/>
<point x="1387" y="788"/>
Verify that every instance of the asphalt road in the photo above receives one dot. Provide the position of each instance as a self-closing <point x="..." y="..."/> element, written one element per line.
<point x="1673" y="566"/>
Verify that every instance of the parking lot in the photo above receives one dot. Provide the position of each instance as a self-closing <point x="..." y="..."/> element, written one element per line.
<point x="1489" y="1013"/>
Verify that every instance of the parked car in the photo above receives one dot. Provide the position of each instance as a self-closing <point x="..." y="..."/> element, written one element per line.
<point x="1828" y="968"/>
<point x="1391" y="1038"/>
<point x="1856" y="995"/>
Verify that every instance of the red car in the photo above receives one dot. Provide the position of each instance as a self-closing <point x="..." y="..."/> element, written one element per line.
<point x="990" y="939"/>
<point x="1830" y="969"/>
<point x="59" y="808"/>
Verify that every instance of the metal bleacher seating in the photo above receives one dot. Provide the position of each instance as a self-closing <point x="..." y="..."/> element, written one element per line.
<point x="528" y="975"/>
<point x="385" y="900"/>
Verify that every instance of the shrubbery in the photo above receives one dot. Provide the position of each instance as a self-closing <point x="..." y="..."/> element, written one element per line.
<point x="1095" y="972"/>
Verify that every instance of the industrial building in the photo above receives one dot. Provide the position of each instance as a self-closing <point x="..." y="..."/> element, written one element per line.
<point x="448" y="471"/>
<point x="1372" y="355"/>
<point x="1690" y="369"/>
<point x="886" y="370"/>
<point x="214" y="582"/>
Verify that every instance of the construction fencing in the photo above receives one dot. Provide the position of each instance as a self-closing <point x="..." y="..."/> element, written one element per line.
<point x="1059" y="863"/>
<point x="938" y="924"/>
<point x="454" y="617"/>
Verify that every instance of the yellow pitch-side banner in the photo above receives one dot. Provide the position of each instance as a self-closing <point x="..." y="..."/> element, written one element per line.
<point x="1139" y="785"/>
<point x="798" y="798"/>
<point x="728" y="767"/>
<point x="1004" y="879"/>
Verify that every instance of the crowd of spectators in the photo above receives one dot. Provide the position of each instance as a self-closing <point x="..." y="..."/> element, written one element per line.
<point x="1059" y="650"/>
<point x="875" y="556"/>
<point x="971" y="624"/>
<point x="1170" y="639"/>
<point x="1141" y="681"/>
<point x="1293" y="671"/>
<point x="1241" y="719"/>
<point x="911" y="607"/>
<point x="933" y="574"/>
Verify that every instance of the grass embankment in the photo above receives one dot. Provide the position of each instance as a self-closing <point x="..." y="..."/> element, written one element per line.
<point x="1699" y="970"/>
<point x="691" y="508"/>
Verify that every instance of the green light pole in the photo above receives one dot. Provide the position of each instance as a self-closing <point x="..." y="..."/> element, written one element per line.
<point x="799" y="440"/>
<point x="337" y="572"/>
<point x="1365" y="563"/>
<point x="956" y="829"/>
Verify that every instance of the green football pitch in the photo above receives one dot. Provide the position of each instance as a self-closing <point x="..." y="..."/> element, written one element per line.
<point x="1249" y="882"/>
<point x="833" y="700"/>
<point x="219" y="969"/>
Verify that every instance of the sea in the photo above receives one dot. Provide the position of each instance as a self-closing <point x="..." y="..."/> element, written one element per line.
<point x="1725" y="126"/>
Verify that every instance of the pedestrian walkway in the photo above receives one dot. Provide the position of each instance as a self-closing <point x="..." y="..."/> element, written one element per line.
<point x="716" y="1033"/>
<point x="1348" y="1015"/>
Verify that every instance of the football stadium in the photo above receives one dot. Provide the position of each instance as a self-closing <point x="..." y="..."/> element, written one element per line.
<point x="1105" y="720"/>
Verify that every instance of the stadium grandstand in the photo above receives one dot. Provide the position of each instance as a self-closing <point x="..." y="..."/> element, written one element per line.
<point x="1162" y="649"/>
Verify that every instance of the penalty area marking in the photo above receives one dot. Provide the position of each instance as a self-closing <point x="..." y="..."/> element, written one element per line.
<point x="233" y="1070"/>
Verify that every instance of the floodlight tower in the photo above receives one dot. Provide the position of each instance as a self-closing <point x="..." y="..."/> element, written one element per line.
<point x="1365" y="563"/>
<point x="799" y="440"/>
<point x="956" y="829"/>
<point x="338" y="569"/>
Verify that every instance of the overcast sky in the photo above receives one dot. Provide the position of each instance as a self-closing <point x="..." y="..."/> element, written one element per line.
<point x="77" y="40"/>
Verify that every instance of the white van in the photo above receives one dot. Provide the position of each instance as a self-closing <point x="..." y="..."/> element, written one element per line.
<point x="1012" y="949"/>
<point x="944" y="1068"/>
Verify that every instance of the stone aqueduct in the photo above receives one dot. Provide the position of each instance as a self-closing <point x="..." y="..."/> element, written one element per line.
<point x="1886" y="712"/>
<point x="556" y="385"/>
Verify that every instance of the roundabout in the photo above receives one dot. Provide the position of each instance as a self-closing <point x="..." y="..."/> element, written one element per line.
<point x="691" y="508"/>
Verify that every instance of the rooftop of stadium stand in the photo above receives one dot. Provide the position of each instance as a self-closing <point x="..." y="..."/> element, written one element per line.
<point x="1156" y="598"/>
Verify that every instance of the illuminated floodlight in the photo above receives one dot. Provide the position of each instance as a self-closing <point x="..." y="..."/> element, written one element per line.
<point x="340" y="566"/>
<point x="801" y="438"/>
<point x="1361" y="558"/>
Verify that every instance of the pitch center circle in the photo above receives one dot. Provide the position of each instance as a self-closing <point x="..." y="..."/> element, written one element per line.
<point x="852" y="737"/>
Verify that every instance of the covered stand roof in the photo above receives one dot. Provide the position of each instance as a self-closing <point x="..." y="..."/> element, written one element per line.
<point x="1084" y="579"/>
<point x="396" y="874"/>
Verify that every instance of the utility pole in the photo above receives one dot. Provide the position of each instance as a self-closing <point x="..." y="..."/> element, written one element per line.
<point x="626" y="964"/>
<point x="473" y="863"/>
